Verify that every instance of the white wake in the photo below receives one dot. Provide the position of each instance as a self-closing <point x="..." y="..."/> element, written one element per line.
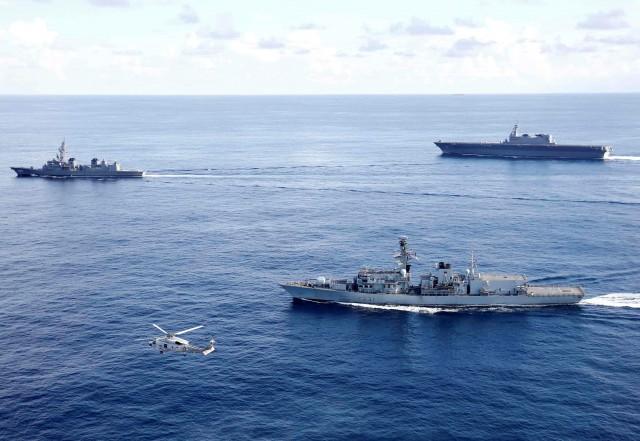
<point x="624" y="158"/>
<point x="419" y="309"/>
<point x="147" y="175"/>
<point x="615" y="299"/>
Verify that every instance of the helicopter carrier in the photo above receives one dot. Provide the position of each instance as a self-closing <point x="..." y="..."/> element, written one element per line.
<point x="60" y="167"/>
<point x="442" y="287"/>
<point x="538" y="146"/>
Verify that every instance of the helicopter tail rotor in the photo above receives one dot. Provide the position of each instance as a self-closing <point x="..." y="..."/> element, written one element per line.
<point x="210" y="348"/>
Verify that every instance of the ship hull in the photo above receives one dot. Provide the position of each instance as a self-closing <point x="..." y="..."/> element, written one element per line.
<point x="504" y="150"/>
<point x="330" y="295"/>
<point x="24" y="172"/>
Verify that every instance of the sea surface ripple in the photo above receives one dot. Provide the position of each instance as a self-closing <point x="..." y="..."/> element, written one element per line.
<point x="247" y="192"/>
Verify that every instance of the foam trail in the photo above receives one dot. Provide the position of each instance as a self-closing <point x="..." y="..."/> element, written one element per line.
<point x="615" y="299"/>
<point x="624" y="158"/>
<point x="419" y="309"/>
<point x="181" y="176"/>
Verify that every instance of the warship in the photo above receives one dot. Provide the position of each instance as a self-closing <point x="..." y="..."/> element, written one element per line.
<point x="538" y="146"/>
<point x="60" y="167"/>
<point x="440" y="288"/>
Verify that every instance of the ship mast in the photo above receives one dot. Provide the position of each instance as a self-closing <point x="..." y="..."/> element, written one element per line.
<point x="405" y="255"/>
<point x="473" y="266"/>
<point x="61" y="152"/>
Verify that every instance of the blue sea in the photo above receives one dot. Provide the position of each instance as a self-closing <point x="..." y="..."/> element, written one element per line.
<point x="245" y="192"/>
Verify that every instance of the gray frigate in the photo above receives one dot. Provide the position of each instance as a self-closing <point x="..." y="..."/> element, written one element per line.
<point x="442" y="287"/>
<point x="60" y="167"/>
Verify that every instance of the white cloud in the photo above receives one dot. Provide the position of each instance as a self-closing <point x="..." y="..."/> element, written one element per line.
<point x="188" y="15"/>
<point x="562" y="48"/>
<point x="417" y="26"/>
<point x="271" y="43"/>
<point x="33" y="51"/>
<point x="305" y="41"/>
<point x="198" y="43"/>
<point x="213" y="56"/>
<point x="406" y="54"/>
<point x="608" y="20"/>
<point x="222" y="30"/>
<point x="619" y="40"/>
<point x="34" y="33"/>
<point x="372" y="45"/>
<point x="463" y="22"/>
<point x="308" y="27"/>
<point x="466" y="47"/>
<point x="110" y="3"/>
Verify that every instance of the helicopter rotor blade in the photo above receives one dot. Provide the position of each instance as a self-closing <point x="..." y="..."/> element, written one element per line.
<point x="188" y="330"/>
<point x="165" y="332"/>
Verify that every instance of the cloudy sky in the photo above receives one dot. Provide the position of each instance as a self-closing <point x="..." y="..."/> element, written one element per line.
<point x="318" y="47"/>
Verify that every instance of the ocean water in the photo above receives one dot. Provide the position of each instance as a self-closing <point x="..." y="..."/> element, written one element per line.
<point x="246" y="192"/>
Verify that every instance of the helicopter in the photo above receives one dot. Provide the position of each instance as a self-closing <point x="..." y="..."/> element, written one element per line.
<point x="170" y="342"/>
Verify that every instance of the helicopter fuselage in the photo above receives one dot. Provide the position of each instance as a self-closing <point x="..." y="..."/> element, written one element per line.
<point x="177" y="344"/>
<point x="170" y="342"/>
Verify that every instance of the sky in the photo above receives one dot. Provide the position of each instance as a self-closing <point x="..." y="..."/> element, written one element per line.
<point x="251" y="47"/>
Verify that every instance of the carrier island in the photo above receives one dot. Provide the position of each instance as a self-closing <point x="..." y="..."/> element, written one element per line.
<point x="441" y="288"/>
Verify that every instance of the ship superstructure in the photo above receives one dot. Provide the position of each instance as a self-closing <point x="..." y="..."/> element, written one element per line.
<point x="441" y="287"/>
<point x="538" y="146"/>
<point x="60" y="167"/>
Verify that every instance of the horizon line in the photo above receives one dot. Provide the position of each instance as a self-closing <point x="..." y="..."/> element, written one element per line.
<point x="308" y="94"/>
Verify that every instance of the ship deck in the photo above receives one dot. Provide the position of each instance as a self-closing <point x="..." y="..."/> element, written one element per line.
<point x="542" y="291"/>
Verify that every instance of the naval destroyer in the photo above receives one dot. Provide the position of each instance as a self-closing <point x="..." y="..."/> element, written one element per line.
<point x="538" y="146"/>
<point x="60" y="167"/>
<point x="441" y="288"/>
